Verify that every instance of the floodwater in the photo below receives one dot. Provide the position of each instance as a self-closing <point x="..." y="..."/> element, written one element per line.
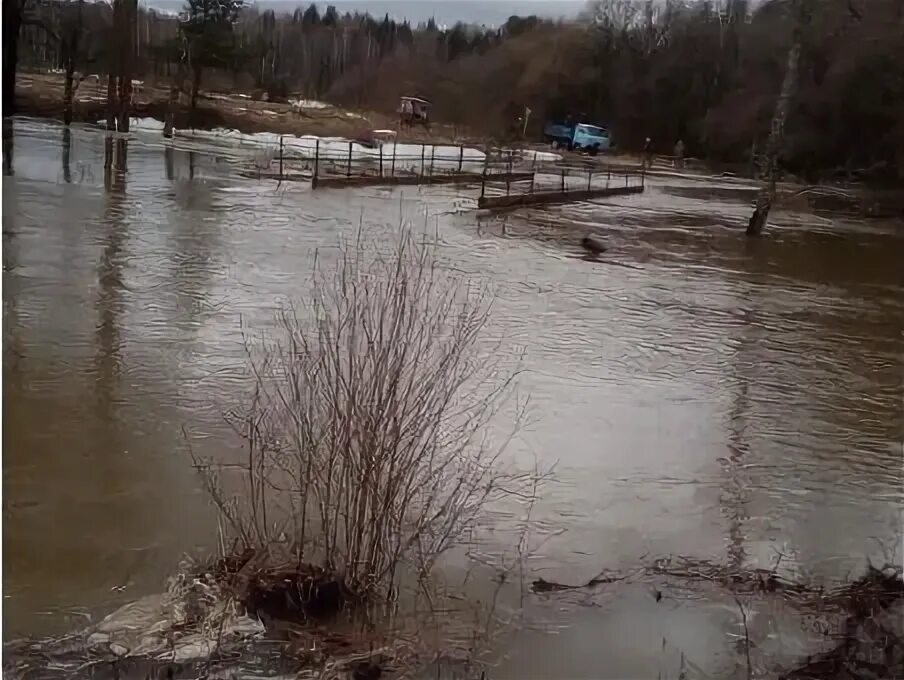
<point x="699" y="393"/>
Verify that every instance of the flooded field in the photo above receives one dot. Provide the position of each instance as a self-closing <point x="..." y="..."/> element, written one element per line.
<point x="699" y="393"/>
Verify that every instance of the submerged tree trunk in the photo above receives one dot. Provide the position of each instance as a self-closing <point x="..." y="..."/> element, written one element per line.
<point x="68" y="92"/>
<point x="67" y="149"/>
<point x="171" y="110"/>
<point x="12" y="22"/>
<point x="70" y="56"/>
<point x="125" y="100"/>
<point x="119" y="78"/>
<point x="766" y="195"/>
<point x="7" y="145"/>
<point x="128" y="14"/>
<point x="195" y="86"/>
<point x="112" y="102"/>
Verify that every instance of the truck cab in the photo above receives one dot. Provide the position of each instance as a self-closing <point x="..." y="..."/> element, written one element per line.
<point x="590" y="137"/>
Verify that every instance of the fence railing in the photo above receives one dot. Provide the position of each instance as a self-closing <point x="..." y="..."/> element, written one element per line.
<point x="500" y="171"/>
<point x="557" y="177"/>
<point x="333" y="159"/>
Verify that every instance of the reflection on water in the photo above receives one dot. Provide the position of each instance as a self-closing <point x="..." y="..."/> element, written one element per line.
<point x="703" y="394"/>
<point x="67" y="151"/>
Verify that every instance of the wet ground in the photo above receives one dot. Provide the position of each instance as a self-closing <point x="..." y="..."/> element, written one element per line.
<point x="700" y="393"/>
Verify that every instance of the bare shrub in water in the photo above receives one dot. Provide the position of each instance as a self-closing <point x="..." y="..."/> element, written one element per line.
<point x="366" y="442"/>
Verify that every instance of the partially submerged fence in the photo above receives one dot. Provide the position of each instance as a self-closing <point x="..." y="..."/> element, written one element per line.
<point x="342" y="163"/>
<point x="401" y="163"/>
<point x="507" y="177"/>
<point x="559" y="183"/>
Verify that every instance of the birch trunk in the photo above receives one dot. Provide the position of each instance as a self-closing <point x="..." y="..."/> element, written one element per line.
<point x="766" y="195"/>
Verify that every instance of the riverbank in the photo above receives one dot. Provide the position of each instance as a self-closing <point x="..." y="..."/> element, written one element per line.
<point x="246" y="616"/>
<point x="41" y="95"/>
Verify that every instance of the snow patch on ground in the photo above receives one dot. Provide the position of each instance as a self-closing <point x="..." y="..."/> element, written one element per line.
<point x="407" y="156"/>
<point x="411" y="157"/>
<point x="140" y="124"/>
<point x="298" y="104"/>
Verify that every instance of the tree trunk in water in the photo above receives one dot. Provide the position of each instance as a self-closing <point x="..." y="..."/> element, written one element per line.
<point x="7" y="145"/>
<point x="171" y="110"/>
<point x="766" y="196"/>
<point x="70" y="55"/>
<point x="12" y="22"/>
<point x="67" y="148"/>
<point x="757" y="222"/>
<point x="119" y="85"/>
<point x="112" y="103"/>
<point x="68" y="92"/>
<point x="195" y="88"/>
<point x="125" y="100"/>
<point x="127" y="50"/>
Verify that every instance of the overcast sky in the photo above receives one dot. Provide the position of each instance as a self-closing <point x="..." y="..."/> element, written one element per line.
<point x="490" y="12"/>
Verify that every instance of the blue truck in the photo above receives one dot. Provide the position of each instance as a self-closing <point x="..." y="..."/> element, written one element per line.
<point x="577" y="136"/>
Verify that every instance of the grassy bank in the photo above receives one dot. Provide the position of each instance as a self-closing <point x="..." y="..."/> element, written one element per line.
<point x="41" y="94"/>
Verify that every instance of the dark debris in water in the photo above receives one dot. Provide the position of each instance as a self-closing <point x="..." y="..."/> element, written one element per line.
<point x="294" y="605"/>
<point x="41" y="662"/>
<point x="869" y="644"/>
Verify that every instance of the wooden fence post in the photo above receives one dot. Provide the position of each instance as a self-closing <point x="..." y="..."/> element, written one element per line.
<point x="589" y="178"/>
<point x="381" y="160"/>
<point x="280" y="156"/>
<point x="392" y="166"/>
<point x="349" y="168"/>
<point x="563" y="180"/>
<point x="461" y="156"/>
<point x="423" y="170"/>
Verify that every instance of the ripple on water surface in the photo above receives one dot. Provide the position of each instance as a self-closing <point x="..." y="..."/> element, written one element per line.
<point x="699" y="393"/>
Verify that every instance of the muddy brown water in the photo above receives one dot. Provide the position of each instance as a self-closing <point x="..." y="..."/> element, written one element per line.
<point x="700" y="393"/>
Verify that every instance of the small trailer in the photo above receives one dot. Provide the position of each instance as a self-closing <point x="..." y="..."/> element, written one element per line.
<point x="414" y="111"/>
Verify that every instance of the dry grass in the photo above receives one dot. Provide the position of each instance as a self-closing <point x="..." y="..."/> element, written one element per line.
<point x="366" y="430"/>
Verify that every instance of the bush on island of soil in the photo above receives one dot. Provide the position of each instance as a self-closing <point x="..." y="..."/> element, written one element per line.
<point x="365" y="432"/>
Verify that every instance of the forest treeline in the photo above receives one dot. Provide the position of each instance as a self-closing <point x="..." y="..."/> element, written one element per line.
<point x="706" y="72"/>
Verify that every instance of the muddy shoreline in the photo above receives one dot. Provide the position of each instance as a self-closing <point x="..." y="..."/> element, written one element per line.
<point x="41" y="95"/>
<point x="246" y="615"/>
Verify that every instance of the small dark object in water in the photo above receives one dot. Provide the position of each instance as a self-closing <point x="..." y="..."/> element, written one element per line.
<point x="658" y="595"/>
<point x="594" y="244"/>
<point x="541" y="585"/>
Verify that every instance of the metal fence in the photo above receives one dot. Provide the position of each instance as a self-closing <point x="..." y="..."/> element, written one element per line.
<point x="326" y="160"/>
<point x="500" y="171"/>
<point x="558" y="178"/>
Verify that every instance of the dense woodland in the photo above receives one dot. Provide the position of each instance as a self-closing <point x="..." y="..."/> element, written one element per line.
<point x="704" y="71"/>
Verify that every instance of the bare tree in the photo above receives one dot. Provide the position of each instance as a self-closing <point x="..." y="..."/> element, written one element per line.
<point x="766" y="195"/>
<point x="70" y="48"/>
<point x="366" y="429"/>
<point x="120" y="65"/>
